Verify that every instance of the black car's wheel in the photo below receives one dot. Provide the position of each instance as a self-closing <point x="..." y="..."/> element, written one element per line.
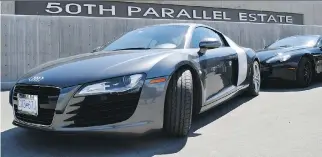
<point x="178" y="105"/>
<point x="255" y="81"/>
<point x="304" y="72"/>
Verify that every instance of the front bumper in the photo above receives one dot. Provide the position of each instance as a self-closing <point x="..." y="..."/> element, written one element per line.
<point x="147" y="114"/>
<point x="282" y="71"/>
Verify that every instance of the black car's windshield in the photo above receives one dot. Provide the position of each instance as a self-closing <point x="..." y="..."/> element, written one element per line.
<point x="294" y="41"/>
<point x="153" y="37"/>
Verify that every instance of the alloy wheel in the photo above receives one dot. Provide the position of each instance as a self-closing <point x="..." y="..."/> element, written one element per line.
<point x="256" y="76"/>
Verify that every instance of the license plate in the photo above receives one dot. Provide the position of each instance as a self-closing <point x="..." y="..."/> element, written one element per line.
<point x="28" y="104"/>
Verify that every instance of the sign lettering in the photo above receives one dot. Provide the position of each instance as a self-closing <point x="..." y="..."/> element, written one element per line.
<point x="152" y="11"/>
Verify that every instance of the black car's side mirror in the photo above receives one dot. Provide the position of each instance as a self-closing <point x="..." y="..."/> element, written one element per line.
<point x="209" y="43"/>
<point x="320" y="48"/>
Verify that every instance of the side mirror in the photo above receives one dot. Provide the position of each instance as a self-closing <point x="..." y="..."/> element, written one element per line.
<point x="209" y="43"/>
<point x="266" y="46"/>
<point x="97" y="49"/>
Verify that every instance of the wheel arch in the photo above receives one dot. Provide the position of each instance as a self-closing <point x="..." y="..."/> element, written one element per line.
<point x="250" y="67"/>
<point x="252" y="57"/>
<point x="257" y="59"/>
<point x="197" y="84"/>
<point x="311" y="58"/>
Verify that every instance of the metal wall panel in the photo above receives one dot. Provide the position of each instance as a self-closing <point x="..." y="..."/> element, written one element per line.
<point x="28" y="41"/>
<point x="7" y="7"/>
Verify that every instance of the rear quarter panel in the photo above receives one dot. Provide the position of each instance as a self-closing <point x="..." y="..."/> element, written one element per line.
<point x="251" y="57"/>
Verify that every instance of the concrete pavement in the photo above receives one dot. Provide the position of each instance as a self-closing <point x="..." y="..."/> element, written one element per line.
<point x="278" y="123"/>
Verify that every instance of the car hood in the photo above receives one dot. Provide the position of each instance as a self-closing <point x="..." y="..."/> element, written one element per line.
<point x="91" y="67"/>
<point x="266" y="54"/>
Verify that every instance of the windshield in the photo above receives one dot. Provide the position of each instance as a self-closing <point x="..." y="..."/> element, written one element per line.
<point x="166" y="36"/>
<point x="308" y="41"/>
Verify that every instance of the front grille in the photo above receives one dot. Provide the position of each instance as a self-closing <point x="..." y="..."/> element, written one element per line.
<point x="47" y="100"/>
<point x="104" y="109"/>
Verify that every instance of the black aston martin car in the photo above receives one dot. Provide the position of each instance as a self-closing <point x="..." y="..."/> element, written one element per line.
<point x="296" y="58"/>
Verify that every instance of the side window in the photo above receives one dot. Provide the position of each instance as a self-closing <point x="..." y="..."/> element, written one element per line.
<point x="201" y="33"/>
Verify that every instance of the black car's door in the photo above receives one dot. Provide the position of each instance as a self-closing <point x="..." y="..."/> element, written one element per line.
<point x="219" y="65"/>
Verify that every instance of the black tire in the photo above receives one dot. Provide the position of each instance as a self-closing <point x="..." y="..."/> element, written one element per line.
<point x="304" y="73"/>
<point x="253" y="89"/>
<point x="178" y="105"/>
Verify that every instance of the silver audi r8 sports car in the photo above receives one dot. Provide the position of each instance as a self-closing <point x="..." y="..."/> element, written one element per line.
<point x="152" y="78"/>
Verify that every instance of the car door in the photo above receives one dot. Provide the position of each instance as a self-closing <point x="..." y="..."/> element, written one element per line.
<point x="218" y="65"/>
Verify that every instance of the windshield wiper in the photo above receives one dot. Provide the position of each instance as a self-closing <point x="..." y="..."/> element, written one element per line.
<point x="133" y="48"/>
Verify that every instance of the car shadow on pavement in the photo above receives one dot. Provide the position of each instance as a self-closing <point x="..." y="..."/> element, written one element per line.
<point x="21" y="142"/>
<point x="287" y="86"/>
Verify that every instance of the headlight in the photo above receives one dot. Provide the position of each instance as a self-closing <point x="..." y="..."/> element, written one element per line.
<point x="280" y="57"/>
<point x="114" y="85"/>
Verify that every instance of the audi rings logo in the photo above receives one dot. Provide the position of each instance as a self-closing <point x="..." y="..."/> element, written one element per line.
<point x="36" y="78"/>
